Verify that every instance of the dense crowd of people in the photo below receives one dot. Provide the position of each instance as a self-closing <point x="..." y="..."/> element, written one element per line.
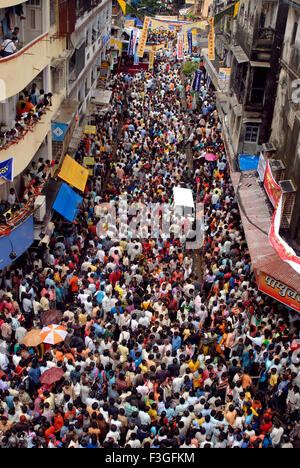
<point x="154" y="357"/>
<point x="157" y="36"/>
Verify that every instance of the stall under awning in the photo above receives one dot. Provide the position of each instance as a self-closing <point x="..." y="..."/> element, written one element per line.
<point x="101" y="97"/>
<point x="66" y="111"/>
<point x="183" y="197"/>
<point x="260" y="64"/>
<point x="240" y="54"/>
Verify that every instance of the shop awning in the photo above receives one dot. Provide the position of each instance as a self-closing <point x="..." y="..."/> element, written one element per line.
<point x="260" y="64"/>
<point x="268" y="265"/>
<point x="101" y="97"/>
<point x="239" y="54"/>
<point x="183" y="197"/>
<point x="73" y="173"/>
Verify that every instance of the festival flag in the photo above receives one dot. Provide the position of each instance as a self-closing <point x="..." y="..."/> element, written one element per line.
<point x="236" y="9"/>
<point x="180" y="46"/>
<point x="136" y="58"/>
<point x="6" y="169"/>
<point x="143" y="39"/>
<point x="197" y="81"/>
<point x="151" y="60"/>
<point x="130" y="51"/>
<point x="211" y="40"/>
<point x="122" y="5"/>
<point x="190" y="42"/>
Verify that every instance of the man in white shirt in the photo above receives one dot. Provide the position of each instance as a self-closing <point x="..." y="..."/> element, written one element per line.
<point x="9" y="47"/>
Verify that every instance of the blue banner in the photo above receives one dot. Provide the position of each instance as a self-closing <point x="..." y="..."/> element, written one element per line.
<point x="197" y="81"/>
<point x="208" y="81"/>
<point x="130" y="46"/>
<point x="7" y="169"/>
<point x="136" y="58"/>
<point x="18" y="241"/>
<point x="190" y="41"/>
<point x="59" y="131"/>
<point x="67" y="203"/>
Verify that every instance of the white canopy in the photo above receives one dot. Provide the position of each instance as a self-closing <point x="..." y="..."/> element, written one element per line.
<point x="101" y="96"/>
<point x="183" y="197"/>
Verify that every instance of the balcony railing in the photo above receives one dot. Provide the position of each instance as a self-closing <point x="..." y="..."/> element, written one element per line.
<point x="19" y="69"/>
<point x="85" y="6"/>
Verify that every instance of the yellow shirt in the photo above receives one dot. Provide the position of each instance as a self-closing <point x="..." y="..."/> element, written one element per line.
<point x="144" y="369"/>
<point x="120" y="291"/>
<point x="273" y="380"/>
<point x="153" y="414"/>
<point x="194" y="366"/>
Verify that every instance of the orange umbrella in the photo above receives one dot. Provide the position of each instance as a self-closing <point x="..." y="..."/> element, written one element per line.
<point x="32" y="338"/>
<point x="53" y="334"/>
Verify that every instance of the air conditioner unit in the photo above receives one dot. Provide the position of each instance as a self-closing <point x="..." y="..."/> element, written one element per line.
<point x="287" y="186"/>
<point x="268" y="147"/>
<point x="276" y="164"/>
<point x="40" y="208"/>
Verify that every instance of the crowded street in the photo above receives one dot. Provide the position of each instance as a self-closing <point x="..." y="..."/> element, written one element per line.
<point x="151" y="357"/>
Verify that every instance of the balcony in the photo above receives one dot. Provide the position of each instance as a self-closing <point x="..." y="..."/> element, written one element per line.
<point x="86" y="6"/>
<point x="24" y="66"/>
<point x="24" y="149"/>
<point x="264" y="39"/>
<point x="10" y="3"/>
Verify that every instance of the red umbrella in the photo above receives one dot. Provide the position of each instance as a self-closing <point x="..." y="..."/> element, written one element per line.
<point x="51" y="317"/>
<point x="52" y="375"/>
<point x="210" y="157"/>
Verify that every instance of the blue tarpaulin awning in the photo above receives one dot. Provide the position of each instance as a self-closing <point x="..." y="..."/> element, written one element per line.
<point x="248" y="163"/>
<point x="67" y="203"/>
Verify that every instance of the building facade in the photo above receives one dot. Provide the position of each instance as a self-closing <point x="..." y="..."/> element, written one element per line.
<point x="259" y="108"/>
<point x="285" y="133"/>
<point x="61" y="45"/>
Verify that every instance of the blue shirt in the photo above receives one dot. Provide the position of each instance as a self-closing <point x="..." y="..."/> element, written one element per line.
<point x="176" y="343"/>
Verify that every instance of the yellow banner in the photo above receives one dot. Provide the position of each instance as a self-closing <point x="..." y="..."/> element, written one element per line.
<point x="211" y="40"/>
<point x="89" y="161"/>
<point x="186" y="43"/>
<point x="117" y="43"/>
<point x="151" y="60"/>
<point x="176" y="26"/>
<point x="155" y="48"/>
<point x="129" y="23"/>
<point x="143" y="39"/>
<point x="123" y="6"/>
<point x="73" y="173"/>
<point x="236" y="9"/>
<point x="90" y="130"/>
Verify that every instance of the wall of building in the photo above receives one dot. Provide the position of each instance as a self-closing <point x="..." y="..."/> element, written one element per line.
<point x="286" y="121"/>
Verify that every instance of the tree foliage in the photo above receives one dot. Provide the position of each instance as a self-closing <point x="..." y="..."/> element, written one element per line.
<point x="189" y="68"/>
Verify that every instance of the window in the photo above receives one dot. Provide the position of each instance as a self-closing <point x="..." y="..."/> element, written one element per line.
<point x="251" y="135"/>
<point x="32" y="19"/>
<point x="294" y="34"/>
<point x="258" y="85"/>
<point x="52" y="12"/>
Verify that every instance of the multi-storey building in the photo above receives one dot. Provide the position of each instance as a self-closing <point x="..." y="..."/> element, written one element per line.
<point x="286" y="121"/>
<point x="260" y="115"/>
<point x="61" y="44"/>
